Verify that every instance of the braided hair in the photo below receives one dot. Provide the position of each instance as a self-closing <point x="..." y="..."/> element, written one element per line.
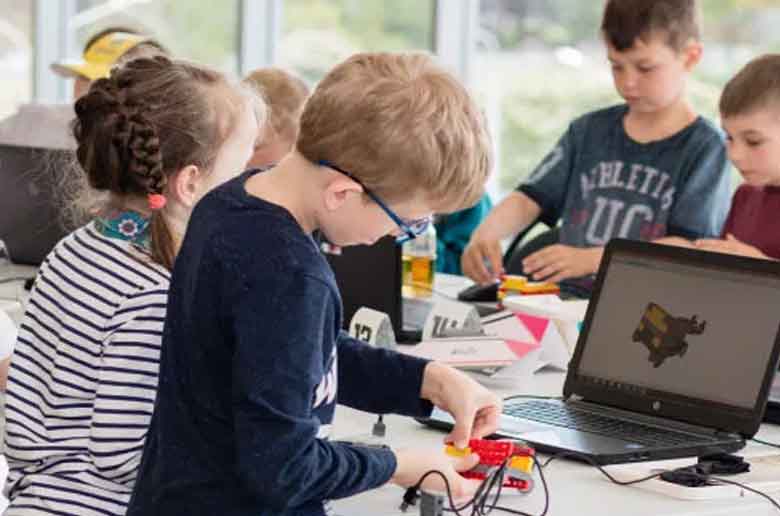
<point x="149" y="119"/>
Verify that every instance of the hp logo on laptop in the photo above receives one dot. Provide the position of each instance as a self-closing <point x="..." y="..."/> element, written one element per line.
<point x="656" y="406"/>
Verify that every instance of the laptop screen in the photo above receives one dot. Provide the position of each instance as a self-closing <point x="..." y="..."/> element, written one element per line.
<point x="31" y="201"/>
<point x="675" y="329"/>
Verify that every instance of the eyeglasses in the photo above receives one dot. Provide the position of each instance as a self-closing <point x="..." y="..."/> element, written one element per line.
<point x="411" y="229"/>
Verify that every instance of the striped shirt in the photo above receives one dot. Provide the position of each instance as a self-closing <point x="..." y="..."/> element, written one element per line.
<point x="83" y="378"/>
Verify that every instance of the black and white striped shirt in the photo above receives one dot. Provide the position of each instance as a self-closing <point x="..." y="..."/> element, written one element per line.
<point x="83" y="378"/>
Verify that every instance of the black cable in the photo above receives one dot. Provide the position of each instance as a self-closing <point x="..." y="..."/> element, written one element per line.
<point x="746" y="488"/>
<point x="599" y="467"/>
<point x="650" y="477"/>
<point x="481" y="507"/>
<point x="546" y="494"/>
<point x="765" y="443"/>
<point x="480" y="503"/>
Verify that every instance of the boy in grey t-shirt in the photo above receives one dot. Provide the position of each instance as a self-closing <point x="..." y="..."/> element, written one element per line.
<point x="649" y="169"/>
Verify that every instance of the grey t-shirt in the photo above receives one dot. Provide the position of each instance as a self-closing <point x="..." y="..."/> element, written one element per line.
<point x="602" y="184"/>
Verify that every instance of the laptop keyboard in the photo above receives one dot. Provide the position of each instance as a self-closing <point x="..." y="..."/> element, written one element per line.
<point x="577" y="419"/>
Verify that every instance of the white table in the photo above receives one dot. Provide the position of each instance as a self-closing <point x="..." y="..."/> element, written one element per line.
<point x="575" y="489"/>
<point x="12" y="294"/>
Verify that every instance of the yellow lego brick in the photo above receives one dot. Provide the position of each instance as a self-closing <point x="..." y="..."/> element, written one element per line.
<point x="452" y="451"/>
<point x="513" y="282"/>
<point x="539" y="287"/>
<point x="525" y="464"/>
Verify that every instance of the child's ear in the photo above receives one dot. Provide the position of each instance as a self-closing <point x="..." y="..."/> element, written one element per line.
<point x="338" y="190"/>
<point x="184" y="185"/>
<point x="691" y="54"/>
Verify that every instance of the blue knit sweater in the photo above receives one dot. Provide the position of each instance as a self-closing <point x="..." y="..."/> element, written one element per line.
<point x="253" y="363"/>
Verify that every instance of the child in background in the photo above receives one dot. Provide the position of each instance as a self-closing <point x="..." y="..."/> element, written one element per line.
<point x="83" y="376"/>
<point x="750" y="113"/>
<point x="647" y="169"/>
<point x="46" y="125"/>
<point x="254" y="358"/>
<point x="285" y="95"/>
<point x="113" y="46"/>
<point x="453" y="232"/>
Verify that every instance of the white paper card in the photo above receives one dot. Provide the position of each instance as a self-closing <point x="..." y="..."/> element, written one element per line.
<point x="449" y="315"/>
<point x="373" y="327"/>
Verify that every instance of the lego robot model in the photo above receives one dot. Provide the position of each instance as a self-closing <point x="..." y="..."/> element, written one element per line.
<point x="516" y="455"/>
<point x="664" y="334"/>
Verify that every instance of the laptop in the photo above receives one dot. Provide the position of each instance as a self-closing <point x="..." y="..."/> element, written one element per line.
<point x="370" y="276"/>
<point x="30" y="209"/>
<point x="675" y="359"/>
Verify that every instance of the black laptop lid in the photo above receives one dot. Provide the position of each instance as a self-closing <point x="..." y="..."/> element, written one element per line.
<point x="370" y="276"/>
<point x="30" y="204"/>
<point x="680" y="333"/>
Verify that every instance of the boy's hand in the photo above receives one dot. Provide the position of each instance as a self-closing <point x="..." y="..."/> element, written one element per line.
<point x="482" y="260"/>
<point x="559" y="262"/>
<point x="676" y="241"/>
<point x="414" y="463"/>
<point x="474" y="408"/>
<point x="729" y="245"/>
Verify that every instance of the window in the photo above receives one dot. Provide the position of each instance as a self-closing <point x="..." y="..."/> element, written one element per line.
<point x="16" y="55"/>
<point x="538" y="65"/>
<point x="317" y="34"/>
<point x="200" y="30"/>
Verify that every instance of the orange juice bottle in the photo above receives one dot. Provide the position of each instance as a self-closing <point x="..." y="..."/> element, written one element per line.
<point x="419" y="264"/>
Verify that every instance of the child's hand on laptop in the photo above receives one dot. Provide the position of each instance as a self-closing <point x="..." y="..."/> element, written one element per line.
<point x="559" y="262"/>
<point x="474" y="408"/>
<point x="729" y="245"/>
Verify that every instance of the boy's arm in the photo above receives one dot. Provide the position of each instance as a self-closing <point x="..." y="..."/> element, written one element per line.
<point x="542" y="196"/>
<point x="378" y="380"/>
<point x="511" y="216"/>
<point x="279" y="326"/>
<point x="701" y="205"/>
<point x="699" y="210"/>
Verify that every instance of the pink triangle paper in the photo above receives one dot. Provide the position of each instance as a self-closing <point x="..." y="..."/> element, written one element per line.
<point x="536" y="325"/>
<point x="521" y="348"/>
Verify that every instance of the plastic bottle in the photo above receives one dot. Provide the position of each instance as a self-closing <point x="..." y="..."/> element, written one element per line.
<point x="419" y="263"/>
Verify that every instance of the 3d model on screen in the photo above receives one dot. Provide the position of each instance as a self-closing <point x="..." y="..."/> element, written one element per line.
<point x="663" y="334"/>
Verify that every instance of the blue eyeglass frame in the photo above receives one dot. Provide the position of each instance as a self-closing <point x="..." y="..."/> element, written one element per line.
<point x="411" y="229"/>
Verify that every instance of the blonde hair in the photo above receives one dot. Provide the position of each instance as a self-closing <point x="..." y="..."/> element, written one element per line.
<point x="401" y="125"/>
<point x="285" y="94"/>
<point x="756" y="86"/>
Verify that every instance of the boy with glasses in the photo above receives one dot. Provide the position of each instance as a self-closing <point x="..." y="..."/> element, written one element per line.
<point x="253" y="356"/>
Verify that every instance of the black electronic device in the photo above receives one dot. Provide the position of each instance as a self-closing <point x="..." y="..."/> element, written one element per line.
<point x="479" y="293"/>
<point x="30" y="202"/>
<point x="370" y="276"/>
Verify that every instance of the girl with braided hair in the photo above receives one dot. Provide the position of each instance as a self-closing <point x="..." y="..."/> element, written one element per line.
<point x="155" y="137"/>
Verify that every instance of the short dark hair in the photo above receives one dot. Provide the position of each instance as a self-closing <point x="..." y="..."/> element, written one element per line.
<point x="755" y="86"/>
<point x="625" y="21"/>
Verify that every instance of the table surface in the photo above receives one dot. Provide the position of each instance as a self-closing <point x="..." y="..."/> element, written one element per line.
<point x="575" y="488"/>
